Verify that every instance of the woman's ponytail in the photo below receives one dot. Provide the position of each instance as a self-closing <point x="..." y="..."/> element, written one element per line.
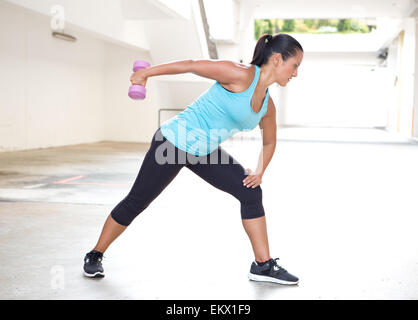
<point x="279" y="43"/>
<point x="261" y="51"/>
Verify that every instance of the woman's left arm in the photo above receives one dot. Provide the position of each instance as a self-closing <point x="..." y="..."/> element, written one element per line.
<point x="268" y="128"/>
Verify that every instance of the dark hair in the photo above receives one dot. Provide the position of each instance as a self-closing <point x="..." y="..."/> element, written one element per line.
<point x="280" y="43"/>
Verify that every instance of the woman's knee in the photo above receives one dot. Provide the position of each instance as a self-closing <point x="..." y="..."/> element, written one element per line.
<point x="126" y="211"/>
<point x="252" y="203"/>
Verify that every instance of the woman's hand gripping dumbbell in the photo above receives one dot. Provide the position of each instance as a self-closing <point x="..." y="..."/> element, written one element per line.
<point x="137" y="91"/>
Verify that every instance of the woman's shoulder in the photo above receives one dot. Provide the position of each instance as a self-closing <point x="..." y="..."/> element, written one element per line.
<point x="246" y="76"/>
<point x="246" y="69"/>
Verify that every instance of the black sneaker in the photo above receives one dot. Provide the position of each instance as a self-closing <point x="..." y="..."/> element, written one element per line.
<point x="271" y="272"/>
<point x="93" y="264"/>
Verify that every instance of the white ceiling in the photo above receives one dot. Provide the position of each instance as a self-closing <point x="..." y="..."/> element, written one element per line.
<point x="140" y="22"/>
<point x="179" y="9"/>
<point x="155" y="9"/>
<point x="330" y="8"/>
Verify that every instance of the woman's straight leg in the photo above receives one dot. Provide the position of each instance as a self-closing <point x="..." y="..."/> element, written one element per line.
<point x="111" y="230"/>
<point x="154" y="176"/>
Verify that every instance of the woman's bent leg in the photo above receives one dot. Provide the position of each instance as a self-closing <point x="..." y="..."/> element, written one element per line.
<point x="223" y="172"/>
<point x="256" y="230"/>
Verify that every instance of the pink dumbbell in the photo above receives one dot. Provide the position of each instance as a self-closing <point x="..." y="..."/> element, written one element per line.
<point x="136" y="91"/>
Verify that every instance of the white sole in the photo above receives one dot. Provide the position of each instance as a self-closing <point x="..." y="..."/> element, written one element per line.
<point x="94" y="275"/>
<point x="256" y="277"/>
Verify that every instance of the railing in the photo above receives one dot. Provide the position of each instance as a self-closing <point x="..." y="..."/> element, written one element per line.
<point x="162" y="109"/>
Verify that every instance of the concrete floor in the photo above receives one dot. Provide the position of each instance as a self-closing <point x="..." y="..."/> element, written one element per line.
<point x="341" y="207"/>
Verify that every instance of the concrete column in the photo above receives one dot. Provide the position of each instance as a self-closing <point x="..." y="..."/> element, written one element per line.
<point x="408" y="79"/>
<point x="245" y="31"/>
<point x="404" y="108"/>
<point x="213" y="53"/>
<point x="415" y="108"/>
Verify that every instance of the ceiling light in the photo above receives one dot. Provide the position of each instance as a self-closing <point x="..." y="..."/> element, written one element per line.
<point x="64" y="36"/>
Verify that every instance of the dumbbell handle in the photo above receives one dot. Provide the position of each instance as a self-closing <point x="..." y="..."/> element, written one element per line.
<point x="138" y="92"/>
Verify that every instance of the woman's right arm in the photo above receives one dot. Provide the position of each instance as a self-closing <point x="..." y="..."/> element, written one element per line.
<point x="223" y="71"/>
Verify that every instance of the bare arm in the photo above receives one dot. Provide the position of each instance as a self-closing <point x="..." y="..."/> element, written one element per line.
<point x="268" y="124"/>
<point x="269" y="129"/>
<point x="223" y="71"/>
<point x="269" y="132"/>
<point x="175" y="67"/>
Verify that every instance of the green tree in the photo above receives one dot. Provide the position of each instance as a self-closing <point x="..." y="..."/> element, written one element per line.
<point x="315" y="24"/>
<point x="263" y="26"/>
<point x="323" y="22"/>
<point x="347" y="25"/>
<point x="355" y="25"/>
<point x="340" y="25"/>
<point x="308" y="22"/>
<point x="270" y="27"/>
<point x="289" y="25"/>
<point x="364" y="29"/>
<point x="276" y="26"/>
<point x="257" y="29"/>
<point x="344" y="25"/>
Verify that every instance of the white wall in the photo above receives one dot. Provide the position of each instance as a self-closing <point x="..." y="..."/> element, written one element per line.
<point x="51" y="90"/>
<point x="336" y="86"/>
<point x="103" y="17"/>
<point x="416" y="82"/>
<point x="336" y="90"/>
<point x="126" y="119"/>
<point x="318" y="9"/>
<point x="171" y="40"/>
<point x="332" y="89"/>
<point x="55" y="93"/>
<point x="228" y="51"/>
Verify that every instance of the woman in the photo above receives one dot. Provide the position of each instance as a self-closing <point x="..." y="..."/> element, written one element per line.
<point x="239" y="100"/>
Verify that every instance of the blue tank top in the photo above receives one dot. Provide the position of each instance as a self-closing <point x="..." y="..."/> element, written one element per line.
<point x="213" y="117"/>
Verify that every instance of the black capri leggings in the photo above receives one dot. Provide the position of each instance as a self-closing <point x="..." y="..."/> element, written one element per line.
<point x="162" y="163"/>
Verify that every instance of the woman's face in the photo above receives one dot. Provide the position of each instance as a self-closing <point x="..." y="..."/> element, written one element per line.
<point x="286" y="70"/>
